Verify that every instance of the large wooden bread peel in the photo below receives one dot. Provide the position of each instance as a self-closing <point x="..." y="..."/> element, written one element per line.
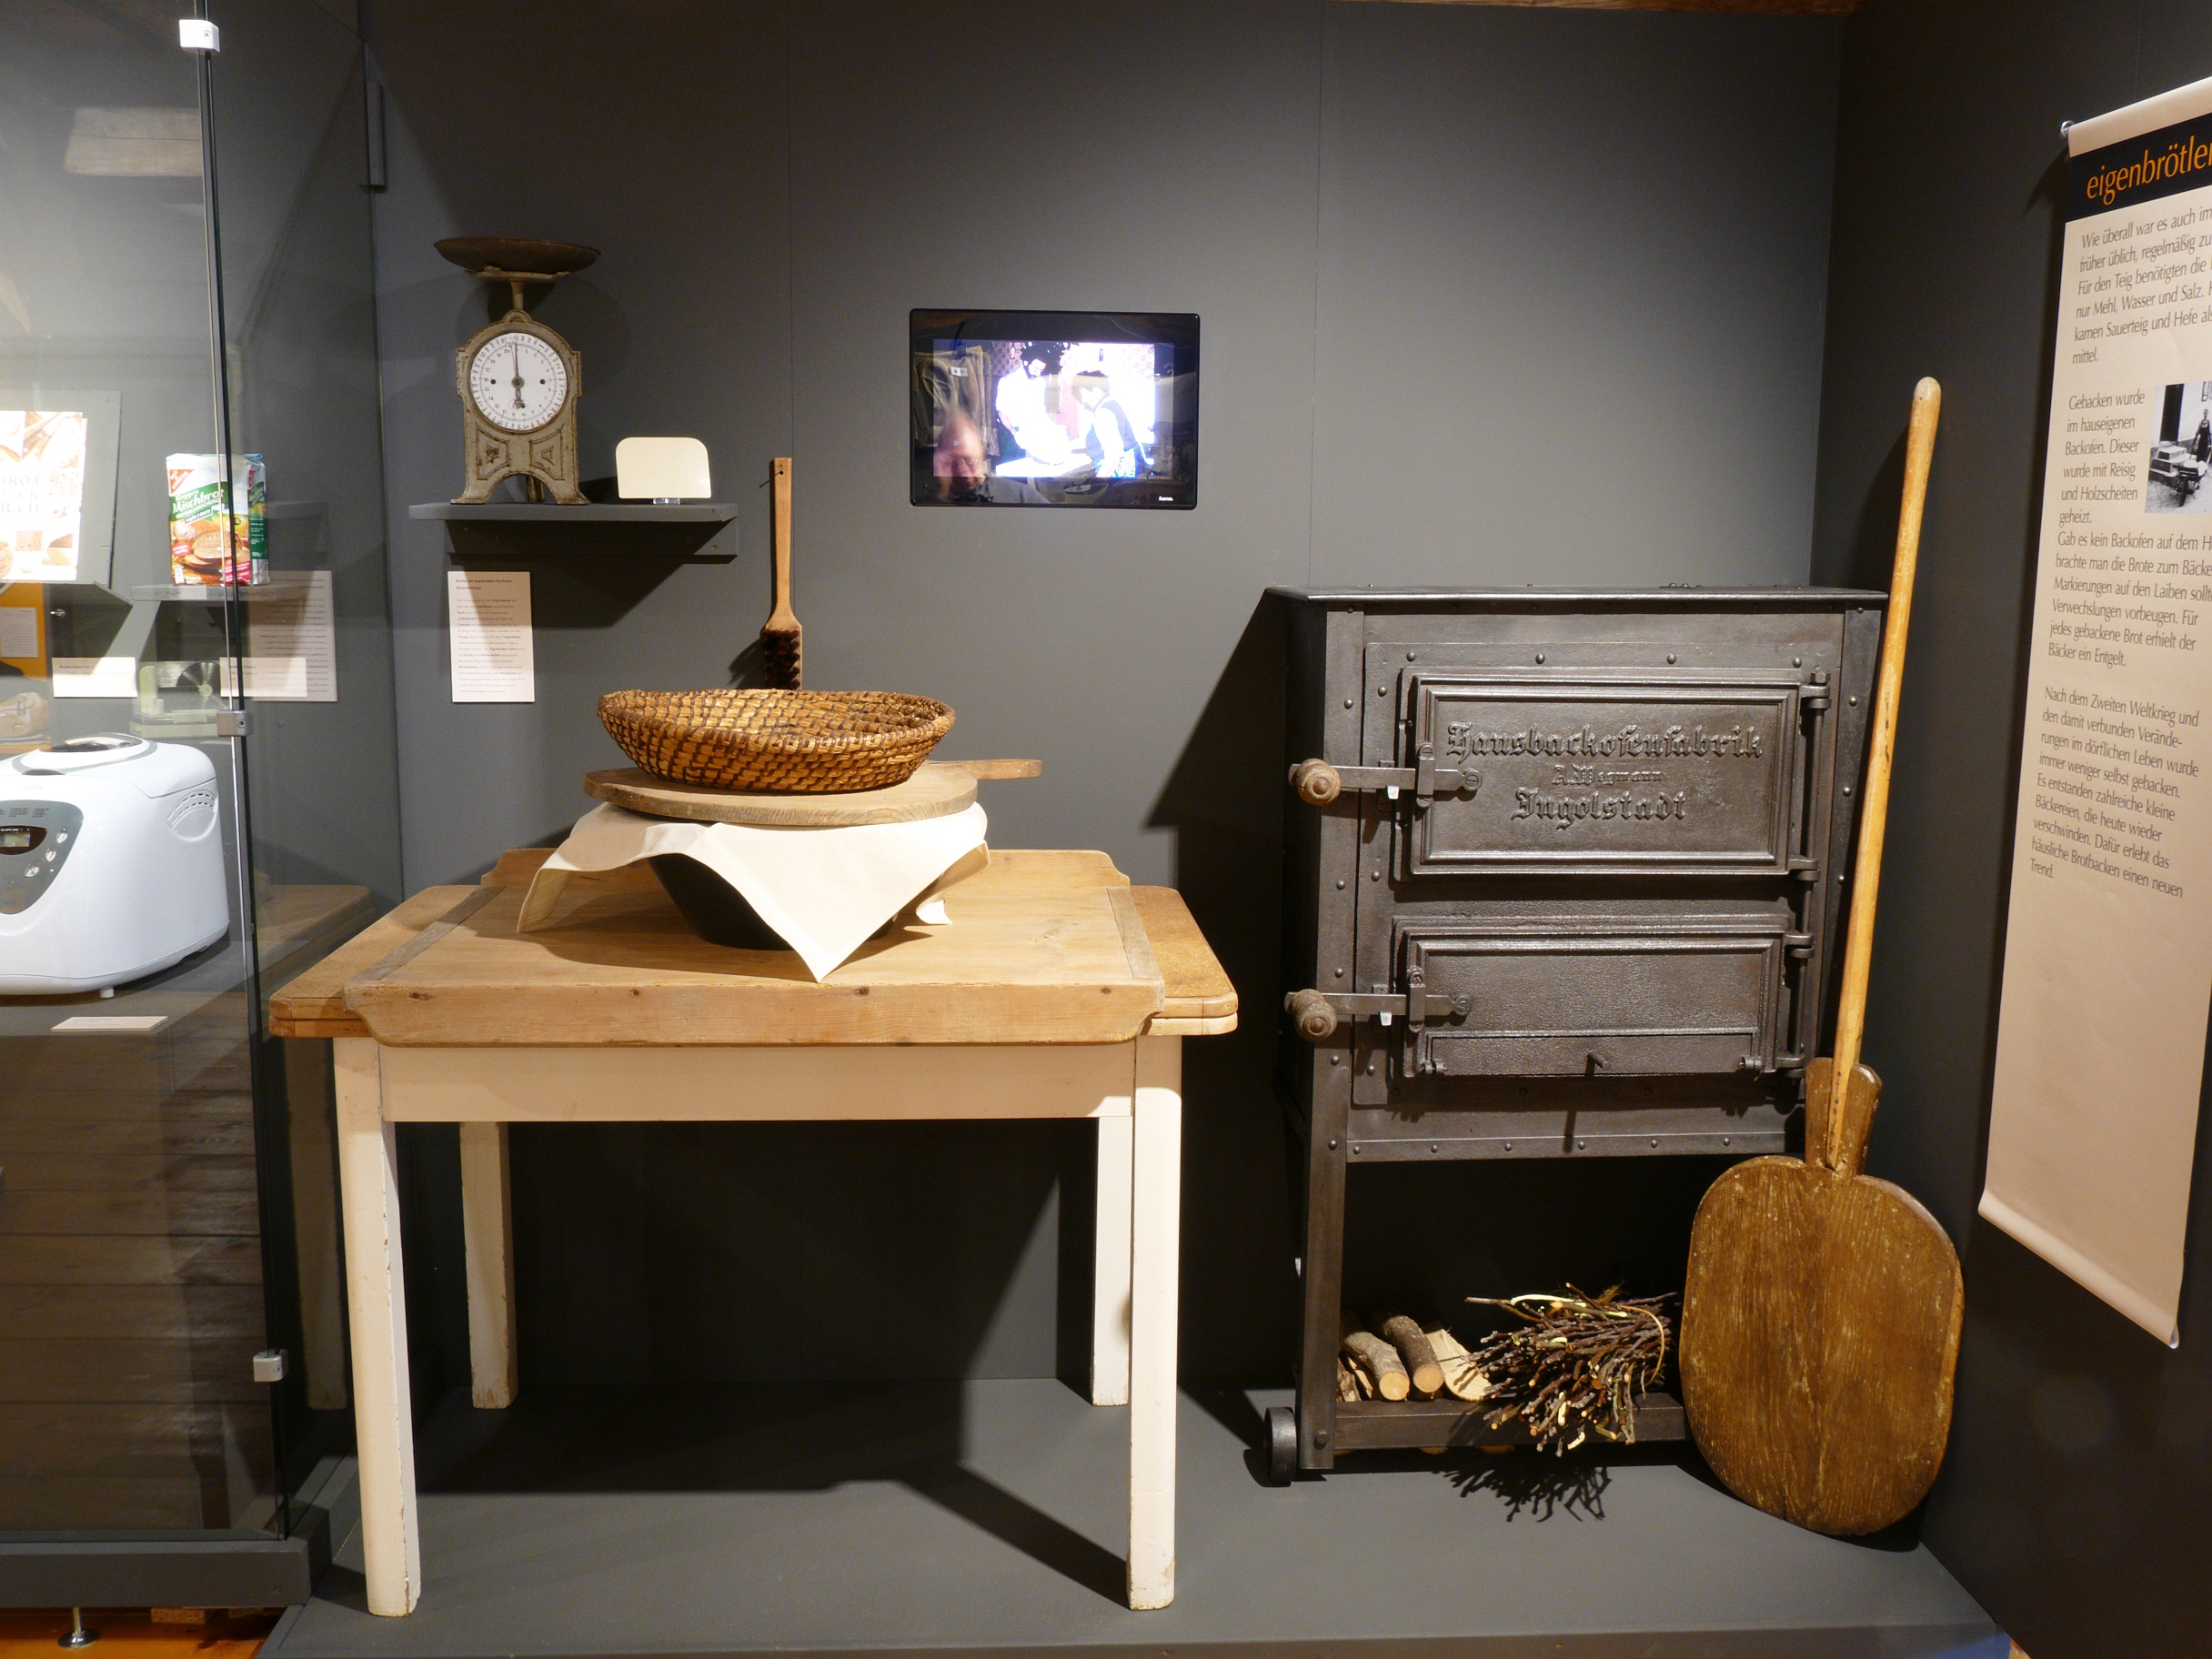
<point x="1820" y="1319"/>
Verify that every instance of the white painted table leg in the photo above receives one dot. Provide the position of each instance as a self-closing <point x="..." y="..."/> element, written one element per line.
<point x="383" y="1419"/>
<point x="1110" y="1287"/>
<point x="1154" y="1249"/>
<point x="488" y="1236"/>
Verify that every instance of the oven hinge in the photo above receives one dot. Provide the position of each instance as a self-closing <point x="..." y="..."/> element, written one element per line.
<point x="1317" y="782"/>
<point x="1317" y="1013"/>
<point x="1813" y="694"/>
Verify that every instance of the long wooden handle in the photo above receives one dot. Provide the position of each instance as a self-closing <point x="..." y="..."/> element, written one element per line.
<point x="1873" y="812"/>
<point x="781" y="527"/>
<point x="990" y="772"/>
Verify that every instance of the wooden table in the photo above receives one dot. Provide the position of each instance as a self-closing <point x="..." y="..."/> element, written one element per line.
<point x="1056" y="990"/>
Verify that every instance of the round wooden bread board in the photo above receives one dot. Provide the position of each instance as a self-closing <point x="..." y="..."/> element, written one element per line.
<point x="935" y="790"/>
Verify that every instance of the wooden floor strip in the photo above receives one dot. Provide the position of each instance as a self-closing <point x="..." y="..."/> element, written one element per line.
<point x="218" y="1632"/>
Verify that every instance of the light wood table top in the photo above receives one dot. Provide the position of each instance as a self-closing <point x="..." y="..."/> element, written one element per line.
<point x="937" y="789"/>
<point x="1042" y="948"/>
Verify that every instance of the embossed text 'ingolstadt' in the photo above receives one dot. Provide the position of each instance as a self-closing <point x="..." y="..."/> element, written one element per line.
<point x="1564" y="811"/>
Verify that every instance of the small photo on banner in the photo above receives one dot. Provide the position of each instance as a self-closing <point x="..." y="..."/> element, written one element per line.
<point x="2182" y="452"/>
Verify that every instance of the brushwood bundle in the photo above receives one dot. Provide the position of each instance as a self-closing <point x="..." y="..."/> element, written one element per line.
<point x="1574" y="1363"/>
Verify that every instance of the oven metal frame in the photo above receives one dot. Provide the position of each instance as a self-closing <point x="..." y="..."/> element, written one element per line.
<point x="1376" y="886"/>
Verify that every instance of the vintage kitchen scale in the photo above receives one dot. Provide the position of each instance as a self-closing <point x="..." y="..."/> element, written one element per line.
<point x="519" y="380"/>
<point x="1567" y="876"/>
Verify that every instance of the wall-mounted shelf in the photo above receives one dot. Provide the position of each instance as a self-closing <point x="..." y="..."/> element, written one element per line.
<point x="689" y="529"/>
<point x="590" y="512"/>
<point x="287" y="585"/>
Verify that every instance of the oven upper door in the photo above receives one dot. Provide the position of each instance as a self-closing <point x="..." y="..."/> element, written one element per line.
<point x="1622" y="773"/>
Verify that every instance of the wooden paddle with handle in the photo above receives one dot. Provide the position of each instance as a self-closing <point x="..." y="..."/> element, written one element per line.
<point x="1820" y="1319"/>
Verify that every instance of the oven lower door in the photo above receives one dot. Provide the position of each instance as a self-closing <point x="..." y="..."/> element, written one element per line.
<point x="1680" y="995"/>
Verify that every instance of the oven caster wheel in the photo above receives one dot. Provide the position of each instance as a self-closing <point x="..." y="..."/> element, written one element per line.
<point x="1282" y="1444"/>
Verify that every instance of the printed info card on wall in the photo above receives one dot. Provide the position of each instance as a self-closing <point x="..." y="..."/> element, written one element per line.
<point x="2109" y="948"/>
<point x="41" y="493"/>
<point x="489" y="612"/>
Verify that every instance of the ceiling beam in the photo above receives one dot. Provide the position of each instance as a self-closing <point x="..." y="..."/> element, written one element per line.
<point x="1770" y="8"/>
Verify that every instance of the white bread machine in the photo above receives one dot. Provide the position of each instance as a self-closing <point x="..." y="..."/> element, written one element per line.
<point x="111" y="863"/>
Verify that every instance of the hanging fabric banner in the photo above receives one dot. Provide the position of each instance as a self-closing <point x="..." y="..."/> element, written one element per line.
<point x="2108" y="947"/>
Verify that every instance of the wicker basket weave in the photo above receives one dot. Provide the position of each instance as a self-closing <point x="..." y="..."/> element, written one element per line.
<point x="806" y="742"/>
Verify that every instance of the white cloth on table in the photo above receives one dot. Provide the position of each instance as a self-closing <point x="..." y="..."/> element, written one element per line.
<point x="825" y="890"/>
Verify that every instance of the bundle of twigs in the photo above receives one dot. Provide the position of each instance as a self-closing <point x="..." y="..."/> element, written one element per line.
<point x="1575" y="1363"/>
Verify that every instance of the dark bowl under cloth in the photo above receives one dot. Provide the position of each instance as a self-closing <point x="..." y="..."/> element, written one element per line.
<point x="717" y="912"/>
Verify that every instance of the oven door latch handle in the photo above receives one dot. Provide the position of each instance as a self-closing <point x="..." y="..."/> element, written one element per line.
<point x="1318" y="1013"/>
<point x="1318" y="783"/>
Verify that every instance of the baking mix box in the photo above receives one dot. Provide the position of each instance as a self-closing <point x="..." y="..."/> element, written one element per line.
<point x="197" y="521"/>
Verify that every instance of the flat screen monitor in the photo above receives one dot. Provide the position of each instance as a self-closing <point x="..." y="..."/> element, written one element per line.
<point x="1054" y="408"/>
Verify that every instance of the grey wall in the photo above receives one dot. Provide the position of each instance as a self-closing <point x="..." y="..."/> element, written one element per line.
<point x="1487" y="295"/>
<point x="2072" y="1503"/>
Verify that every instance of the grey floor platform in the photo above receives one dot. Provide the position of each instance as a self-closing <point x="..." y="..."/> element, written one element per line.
<point x="987" y="1518"/>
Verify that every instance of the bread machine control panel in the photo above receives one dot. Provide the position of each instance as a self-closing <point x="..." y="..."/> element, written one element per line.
<point x="36" y="838"/>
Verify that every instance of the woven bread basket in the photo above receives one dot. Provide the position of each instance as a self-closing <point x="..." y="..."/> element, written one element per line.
<point x="805" y="742"/>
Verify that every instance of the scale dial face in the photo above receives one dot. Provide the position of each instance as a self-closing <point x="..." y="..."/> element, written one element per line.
<point x="516" y="381"/>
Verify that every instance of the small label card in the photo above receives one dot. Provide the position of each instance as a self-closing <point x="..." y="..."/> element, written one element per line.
<point x="293" y="657"/>
<point x="96" y="677"/>
<point x="490" y="616"/>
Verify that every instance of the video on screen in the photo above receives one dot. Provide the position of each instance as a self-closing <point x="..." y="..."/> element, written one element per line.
<point x="1053" y="422"/>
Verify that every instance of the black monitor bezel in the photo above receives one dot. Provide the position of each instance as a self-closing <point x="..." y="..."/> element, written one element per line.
<point x="1176" y="329"/>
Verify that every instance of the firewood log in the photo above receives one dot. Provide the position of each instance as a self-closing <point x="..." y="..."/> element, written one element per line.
<point x="1379" y="1359"/>
<point x="1402" y="1333"/>
<point x="1463" y="1376"/>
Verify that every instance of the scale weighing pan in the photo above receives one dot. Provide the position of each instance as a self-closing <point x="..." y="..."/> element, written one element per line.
<point x="527" y="255"/>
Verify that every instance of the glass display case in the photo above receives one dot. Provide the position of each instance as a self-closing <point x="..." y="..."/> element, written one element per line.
<point x="186" y="275"/>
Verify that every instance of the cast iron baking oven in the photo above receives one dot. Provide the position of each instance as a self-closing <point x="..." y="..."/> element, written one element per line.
<point x="1566" y="880"/>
